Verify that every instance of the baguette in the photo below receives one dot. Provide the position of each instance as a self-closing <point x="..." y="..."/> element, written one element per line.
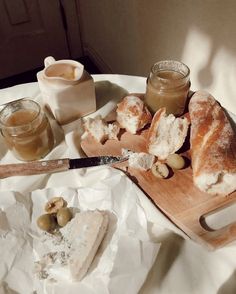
<point x="213" y="146"/>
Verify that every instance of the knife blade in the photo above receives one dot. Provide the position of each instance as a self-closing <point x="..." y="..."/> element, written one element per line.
<point x="55" y="165"/>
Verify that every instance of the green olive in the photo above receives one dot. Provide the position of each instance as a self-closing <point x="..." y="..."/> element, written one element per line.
<point x="175" y="161"/>
<point x="64" y="215"/>
<point x="160" y="170"/>
<point x="47" y="222"/>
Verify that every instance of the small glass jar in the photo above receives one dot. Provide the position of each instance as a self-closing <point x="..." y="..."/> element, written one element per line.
<point x="26" y="130"/>
<point x="168" y="85"/>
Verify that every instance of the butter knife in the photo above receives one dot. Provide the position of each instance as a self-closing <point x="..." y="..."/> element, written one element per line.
<point x="56" y="165"/>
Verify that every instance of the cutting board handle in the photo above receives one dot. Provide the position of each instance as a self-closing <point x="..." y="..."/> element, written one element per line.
<point x="221" y="237"/>
<point x="217" y="238"/>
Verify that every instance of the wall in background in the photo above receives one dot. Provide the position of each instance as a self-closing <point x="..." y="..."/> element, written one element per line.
<point x="30" y="30"/>
<point x="127" y="37"/>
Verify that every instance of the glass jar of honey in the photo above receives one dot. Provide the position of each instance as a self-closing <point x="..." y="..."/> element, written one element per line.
<point x="168" y="85"/>
<point x="26" y="129"/>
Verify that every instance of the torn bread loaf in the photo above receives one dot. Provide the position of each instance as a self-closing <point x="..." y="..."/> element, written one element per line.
<point x="132" y="114"/>
<point x="70" y="256"/>
<point x="100" y="130"/>
<point x="213" y="146"/>
<point x="166" y="134"/>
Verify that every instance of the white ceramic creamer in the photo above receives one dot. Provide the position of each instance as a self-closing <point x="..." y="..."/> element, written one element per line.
<point x="67" y="89"/>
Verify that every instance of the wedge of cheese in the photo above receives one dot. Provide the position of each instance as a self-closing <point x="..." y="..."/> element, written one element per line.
<point x="69" y="257"/>
<point x="85" y="235"/>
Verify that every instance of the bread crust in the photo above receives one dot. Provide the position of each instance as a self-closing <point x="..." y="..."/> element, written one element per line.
<point x="212" y="141"/>
<point x="152" y="130"/>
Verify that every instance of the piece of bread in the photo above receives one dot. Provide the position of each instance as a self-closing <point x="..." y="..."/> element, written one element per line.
<point x="132" y="114"/>
<point x="141" y="160"/>
<point x="113" y="130"/>
<point x="213" y="146"/>
<point x="100" y="130"/>
<point x="166" y="134"/>
<point x="97" y="128"/>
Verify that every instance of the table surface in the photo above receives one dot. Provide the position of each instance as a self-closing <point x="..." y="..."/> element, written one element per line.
<point x="182" y="266"/>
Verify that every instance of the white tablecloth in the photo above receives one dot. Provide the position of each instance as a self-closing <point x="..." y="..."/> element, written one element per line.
<point x="182" y="266"/>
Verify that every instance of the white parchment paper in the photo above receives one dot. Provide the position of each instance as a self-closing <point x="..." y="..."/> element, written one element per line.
<point x="122" y="262"/>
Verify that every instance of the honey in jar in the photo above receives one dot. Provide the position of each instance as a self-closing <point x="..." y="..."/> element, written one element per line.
<point x="26" y="130"/>
<point x="168" y="86"/>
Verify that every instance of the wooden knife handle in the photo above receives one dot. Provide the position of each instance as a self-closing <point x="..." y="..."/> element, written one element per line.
<point x="33" y="168"/>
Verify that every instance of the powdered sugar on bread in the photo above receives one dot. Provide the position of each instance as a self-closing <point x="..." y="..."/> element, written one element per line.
<point x="166" y="134"/>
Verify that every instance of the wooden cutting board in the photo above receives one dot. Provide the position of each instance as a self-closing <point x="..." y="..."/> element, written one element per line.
<point x="177" y="197"/>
